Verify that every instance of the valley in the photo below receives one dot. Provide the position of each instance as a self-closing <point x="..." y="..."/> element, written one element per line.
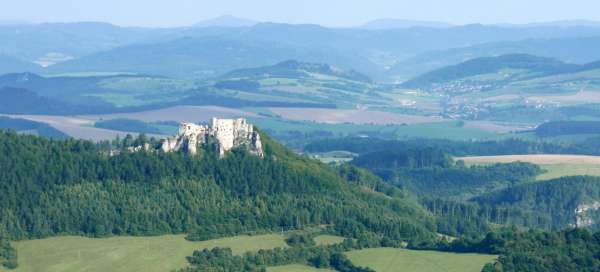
<point x="241" y="145"/>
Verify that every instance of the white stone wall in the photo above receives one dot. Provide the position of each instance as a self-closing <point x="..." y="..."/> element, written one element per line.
<point x="228" y="133"/>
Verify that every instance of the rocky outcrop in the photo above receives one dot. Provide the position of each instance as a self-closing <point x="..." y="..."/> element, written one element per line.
<point x="581" y="213"/>
<point x="224" y="134"/>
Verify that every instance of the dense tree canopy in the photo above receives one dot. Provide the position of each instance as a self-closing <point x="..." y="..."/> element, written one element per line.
<point x="77" y="187"/>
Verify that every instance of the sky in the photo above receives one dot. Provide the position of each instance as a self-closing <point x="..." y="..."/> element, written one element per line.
<point x="338" y="13"/>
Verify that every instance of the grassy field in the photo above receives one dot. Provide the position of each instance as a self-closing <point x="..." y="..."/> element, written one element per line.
<point x="555" y="165"/>
<point x="328" y="240"/>
<point x="397" y="260"/>
<point x="161" y="253"/>
<point x="296" y="268"/>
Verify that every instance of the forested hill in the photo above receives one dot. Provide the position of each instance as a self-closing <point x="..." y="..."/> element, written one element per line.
<point x="532" y="66"/>
<point x="51" y="187"/>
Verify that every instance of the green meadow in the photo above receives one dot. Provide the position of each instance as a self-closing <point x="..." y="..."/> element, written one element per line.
<point x="398" y="260"/>
<point x="160" y="253"/>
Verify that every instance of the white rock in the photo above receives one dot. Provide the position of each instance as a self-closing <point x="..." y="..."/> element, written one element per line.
<point x="226" y="133"/>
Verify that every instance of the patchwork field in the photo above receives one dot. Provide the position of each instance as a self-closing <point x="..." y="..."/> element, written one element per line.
<point x="397" y="260"/>
<point x="336" y="116"/>
<point x="555" y="165"/>
<point x="161" y="253"/>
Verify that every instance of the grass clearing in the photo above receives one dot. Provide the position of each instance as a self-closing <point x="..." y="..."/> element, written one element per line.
<point x="296" y="268"/>
<point x="325" y="240"/>
<point x="556" y="166"/>
<point x="394" y="260"/>
<point x="563" y="170"/>
<point x="160" y="253"/>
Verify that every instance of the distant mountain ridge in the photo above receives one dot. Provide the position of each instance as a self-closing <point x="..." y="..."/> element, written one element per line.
<point x="574" y="49"/>
<point x="191" y="51"/>
<point x="560" y="23"/>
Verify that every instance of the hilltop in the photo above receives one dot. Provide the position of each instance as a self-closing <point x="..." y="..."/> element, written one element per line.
<point x="88" y="192"/>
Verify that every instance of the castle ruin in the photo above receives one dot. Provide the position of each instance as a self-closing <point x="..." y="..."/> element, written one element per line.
<point x="224" y="133"/>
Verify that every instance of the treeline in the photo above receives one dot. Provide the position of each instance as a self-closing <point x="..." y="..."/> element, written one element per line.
<point x="571" y="250"/>
<point x="77" y="187"/>
<point x="548" y="205"/>
<point x="431" y="172"/>
<point x="8" y="255"/>
<point x="551" y="204"/>
<point x="459" y="182"/>
<point x="326" y="257"/>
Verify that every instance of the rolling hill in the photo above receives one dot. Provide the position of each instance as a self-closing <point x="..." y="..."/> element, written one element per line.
<point x="572" y="50"/>
<point x="513" y="67"/>
<point x="374" y="53"/>
<point x="201" y="195"/>
<point x="32" y="41"/>
<point x="201" y="57"/>
<point x="300" y="82"/>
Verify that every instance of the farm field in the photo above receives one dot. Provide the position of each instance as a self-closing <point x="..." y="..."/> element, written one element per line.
<point x="328" y="240"/>
<point x="296" y="268"/>
<point x="556" y="166"/>
<point x="397" y="260"/>
<point x="336" y="116"/>
<point x="161" y="253"/>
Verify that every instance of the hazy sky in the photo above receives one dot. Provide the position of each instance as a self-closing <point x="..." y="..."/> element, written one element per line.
<point x="325" y="12"/>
